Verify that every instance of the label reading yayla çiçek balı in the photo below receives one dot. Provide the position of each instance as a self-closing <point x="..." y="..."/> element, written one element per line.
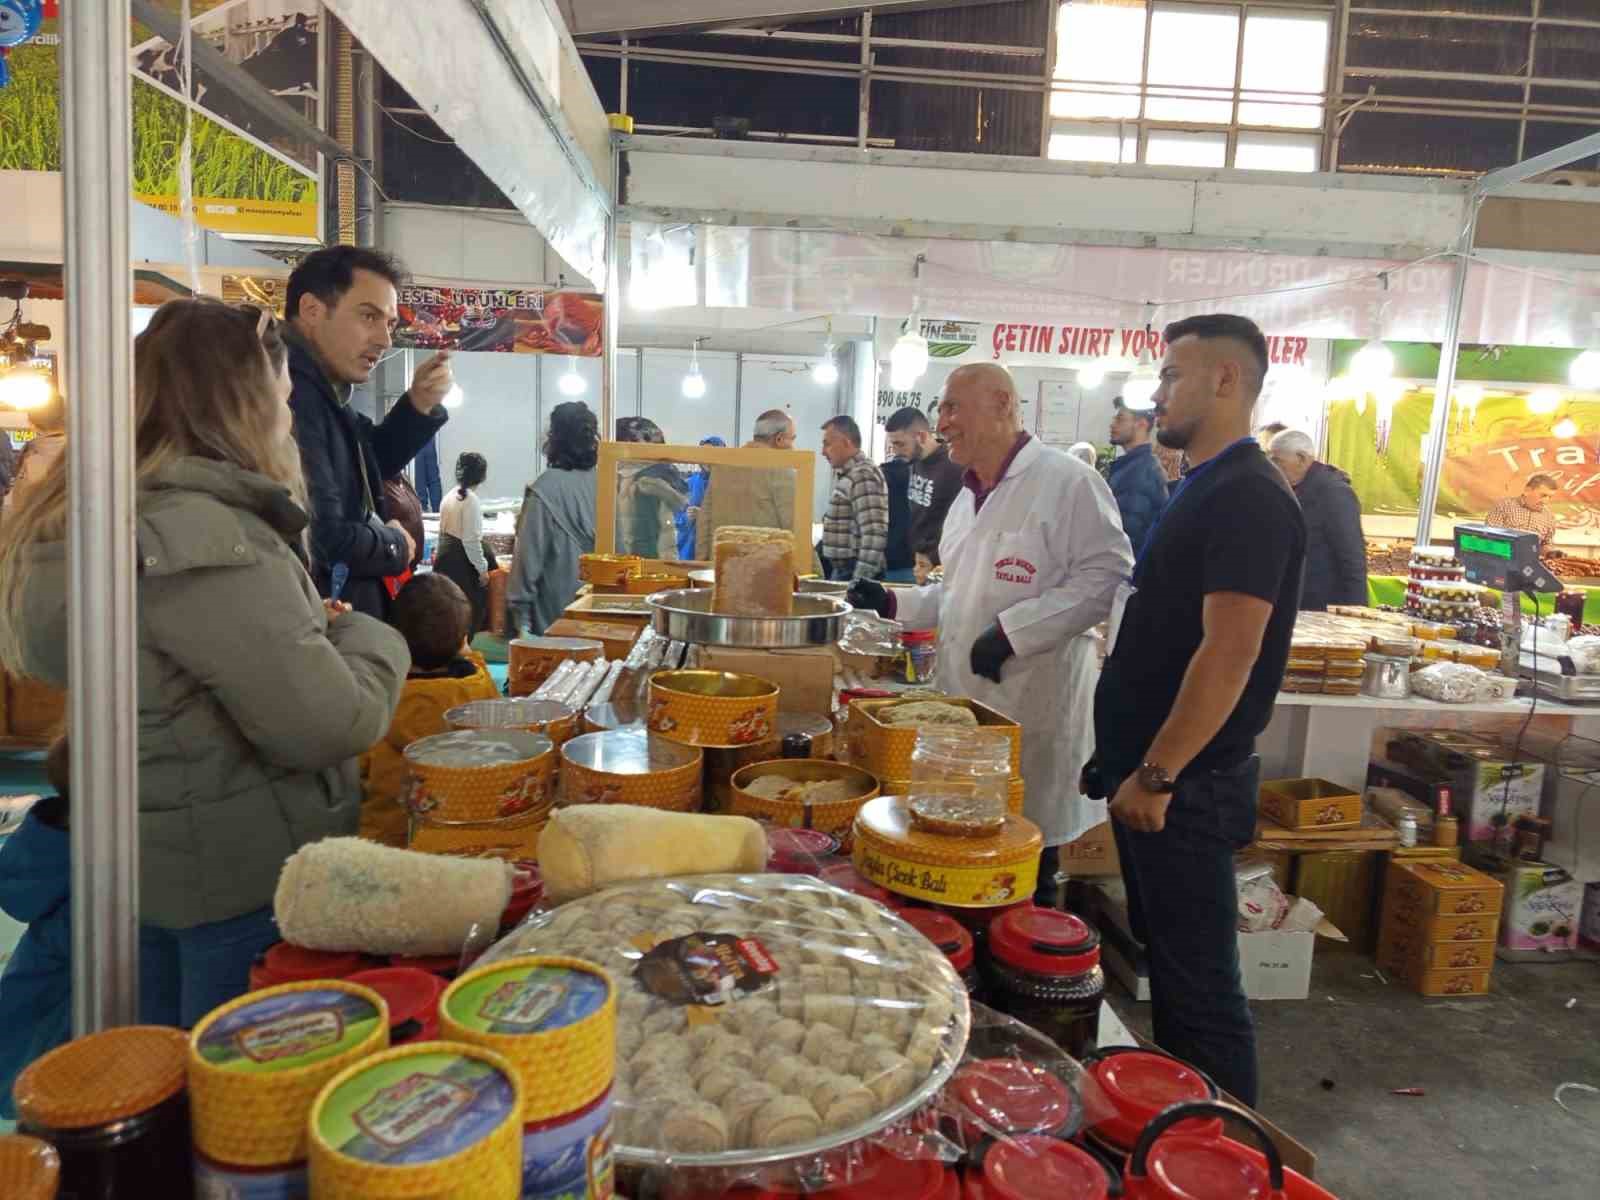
<point x="522" y="999"/>
<point x="416" y="1109"/>
<point x="288" y="1031"/>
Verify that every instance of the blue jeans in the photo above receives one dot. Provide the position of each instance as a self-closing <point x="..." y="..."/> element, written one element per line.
<point x="185" y="973"/>
<point x="1183" y="904"/>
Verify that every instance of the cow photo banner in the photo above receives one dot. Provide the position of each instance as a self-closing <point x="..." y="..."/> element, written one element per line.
<point x="503" y="320"/>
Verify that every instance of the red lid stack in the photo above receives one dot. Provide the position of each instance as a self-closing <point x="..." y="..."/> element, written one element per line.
<point x="797" y="851"/>
<point x="945" y="932"/>
<point x="1011" y="1096"/>
<point x="1038" y="1168"/>
<point x="413" y="999"/>
<point x="288" y="963"/>
<point x="1139" y="1084"/>
<point x="1044" y="942"/>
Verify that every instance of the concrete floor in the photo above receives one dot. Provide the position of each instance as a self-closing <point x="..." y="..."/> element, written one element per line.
<point x="1488" y="1127"/>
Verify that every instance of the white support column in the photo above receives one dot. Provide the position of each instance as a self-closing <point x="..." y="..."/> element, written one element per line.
<point x="100" y="599"/>
<point x="612" y="311"/>
<point x="1445" y="382"/>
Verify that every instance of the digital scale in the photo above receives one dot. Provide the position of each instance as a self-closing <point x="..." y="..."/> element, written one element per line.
<point x="1508" y="561"/>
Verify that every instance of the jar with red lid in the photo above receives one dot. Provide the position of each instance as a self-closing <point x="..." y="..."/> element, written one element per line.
<point x="1045" y="971"/>
<point x="1007" y="1097"/>
<point x="527" y="890"/>
<point x="797" y="851"/>
<point x="844" y="875"/>
<point x="953" y="940"/>
<point x="1034" y="1167"/>
<point x="285" y="962"/>
<point x="1170" y="1162"/>
<point x="412" y="995"/>
<point x="919" y="656"/>
<point x="1139" y="1084"/>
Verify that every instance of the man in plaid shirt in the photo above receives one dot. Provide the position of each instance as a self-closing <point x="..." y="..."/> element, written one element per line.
<point x="855" y="533"/>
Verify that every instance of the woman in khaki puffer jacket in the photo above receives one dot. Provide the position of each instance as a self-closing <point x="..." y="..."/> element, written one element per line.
<point x="255" y="697"/>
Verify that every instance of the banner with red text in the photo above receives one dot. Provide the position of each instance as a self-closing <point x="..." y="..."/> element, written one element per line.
<point x="518" y="320"/>
<point x="1031" y="344"/>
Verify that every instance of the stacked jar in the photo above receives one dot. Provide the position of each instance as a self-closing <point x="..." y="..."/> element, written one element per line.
<point x="966" y="765"/>
<point x="1045" y="971"/>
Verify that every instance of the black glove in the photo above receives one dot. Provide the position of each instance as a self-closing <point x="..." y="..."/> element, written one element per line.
<point x="990" y="651"/>
<point x="865" y="593"/>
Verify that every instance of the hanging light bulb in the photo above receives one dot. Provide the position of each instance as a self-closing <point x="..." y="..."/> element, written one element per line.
<point x="455" y="397"/>
<point x="1565" y="428"/>
<point x="1372" y="364"/>
<point x="1091" y="376"/>
<point x="1585" y="371"/>
<point x="1388" y="394"/>
<point x="24" y="390"/>
<point x="694" y="383"/>
<point x="908" y="360"/>
<point x="572" y="384"/>
<point x="826" y="372"/>
<point x="1544" y="401"/>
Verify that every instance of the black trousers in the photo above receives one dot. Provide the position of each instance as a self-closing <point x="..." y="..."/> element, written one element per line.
<point x="452" y="562"/>
<point x="1183" y="904"/>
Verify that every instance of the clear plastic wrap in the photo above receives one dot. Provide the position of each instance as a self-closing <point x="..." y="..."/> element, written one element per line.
<point x="1449" y="683"/>
<point x="1012" y="1085"/>
<point x="870" y="635"/>
<point x="761" y="1017"/>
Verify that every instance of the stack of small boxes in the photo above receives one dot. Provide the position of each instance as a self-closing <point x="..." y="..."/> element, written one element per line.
<point x="1440" y="920"/>
<point x="1324" y="663"/>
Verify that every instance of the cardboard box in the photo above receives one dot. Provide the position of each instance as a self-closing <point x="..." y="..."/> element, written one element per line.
<point x="1341" y="883"/>
<point x="1451" y="983"/>
<point x="1589" y="923"/>
<point x="617" y="639"/>
<point x="1095" y="853"/>
<point x="804" y="677"/>
<point x="1443" y="888"/>
<point x="1310" y="804"/>
<point x="1572" y="802"/>
<point x="1488" y="789"/>
<point x="1543" y="906"/>
<point x="1276" y="965"/>
<point x="1404" y="952"/>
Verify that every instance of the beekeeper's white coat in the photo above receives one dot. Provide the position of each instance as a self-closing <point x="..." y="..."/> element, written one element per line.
<point x="1045" y="555"/>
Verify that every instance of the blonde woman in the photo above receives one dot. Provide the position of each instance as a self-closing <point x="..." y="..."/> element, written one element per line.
<point x="254" y="696"/>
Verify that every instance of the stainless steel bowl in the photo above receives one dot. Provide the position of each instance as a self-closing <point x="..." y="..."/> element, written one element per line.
<point x="1387" y="678"/>
<point x="807" y="587"/>
<point x="686" y="616"/>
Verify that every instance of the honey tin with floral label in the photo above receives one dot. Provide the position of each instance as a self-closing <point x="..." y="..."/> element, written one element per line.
<point x="255" y="1067"/>
<point x="714" y="709"/>
<point x="803" y="793"/>
<point x="480" y="775"/>
<point x="441" y="1120"/>
<point x="609" y="570"/>
<point x="555" y="720"/>
<point x="510" y="838"/>
<point x="532" y="660"/>
<point x="884" y="746"/>
<point x="962" y="872"/>
<point x="631" y="766"/>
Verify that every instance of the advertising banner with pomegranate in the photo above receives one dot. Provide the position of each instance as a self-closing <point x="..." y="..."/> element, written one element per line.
<point x="536" y="319"/>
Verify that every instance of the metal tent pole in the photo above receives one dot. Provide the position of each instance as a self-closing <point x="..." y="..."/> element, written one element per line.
<point x="612" y="310"/>
<point x="100" y="601"/>
<point x="1445" y="381"/>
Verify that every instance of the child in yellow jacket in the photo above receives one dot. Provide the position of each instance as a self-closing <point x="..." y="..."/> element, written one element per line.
<point x="433" y="615"/>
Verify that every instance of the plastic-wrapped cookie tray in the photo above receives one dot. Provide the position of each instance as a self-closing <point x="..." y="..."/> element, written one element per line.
<point x="760" y="1017"/>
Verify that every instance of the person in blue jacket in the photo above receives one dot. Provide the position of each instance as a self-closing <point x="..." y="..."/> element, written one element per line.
<point x="1135" y="475"/>
<point x="697" y="496"/>
<point x="36" y="990"/>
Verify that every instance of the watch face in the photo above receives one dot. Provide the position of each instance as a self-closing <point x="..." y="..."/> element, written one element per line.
<point x="1155" y="779"/>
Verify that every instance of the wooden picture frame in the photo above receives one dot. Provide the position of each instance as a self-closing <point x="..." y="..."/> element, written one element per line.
<point x="614" y="454"/>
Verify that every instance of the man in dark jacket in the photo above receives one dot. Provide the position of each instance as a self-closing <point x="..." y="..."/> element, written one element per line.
<point x="935" y="481"/>
<point x="1336" y="551"/>
<point x="342" y="307"/>
<point x="1135" y="476"/>
<point x="899" y="562"/>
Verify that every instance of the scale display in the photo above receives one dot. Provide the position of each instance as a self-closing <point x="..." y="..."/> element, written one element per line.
<point x="1504" y="559"/>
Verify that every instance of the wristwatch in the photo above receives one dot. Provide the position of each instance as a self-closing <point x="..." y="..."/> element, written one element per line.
<point x="1156" y="779"/>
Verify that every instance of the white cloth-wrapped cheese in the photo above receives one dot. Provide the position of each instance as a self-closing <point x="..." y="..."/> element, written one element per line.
<point x="352" y="894"/>
<point x="588" y="846"/>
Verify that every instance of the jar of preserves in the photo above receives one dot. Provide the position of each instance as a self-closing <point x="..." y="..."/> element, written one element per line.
<point x="953" y="941"/>
<point x="969" y="767"/>
<point x="919" y="656"/>
<point x="115" y="1108"/>
<point x="1045" y="971"/>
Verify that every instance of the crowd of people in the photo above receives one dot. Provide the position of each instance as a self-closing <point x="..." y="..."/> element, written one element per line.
<point x="263" y="494"/>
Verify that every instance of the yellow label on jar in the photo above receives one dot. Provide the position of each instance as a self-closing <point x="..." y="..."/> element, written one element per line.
<point x="972" y="887"/>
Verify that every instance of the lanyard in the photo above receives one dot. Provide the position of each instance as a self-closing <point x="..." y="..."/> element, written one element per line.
<point x="1183" y="484"/>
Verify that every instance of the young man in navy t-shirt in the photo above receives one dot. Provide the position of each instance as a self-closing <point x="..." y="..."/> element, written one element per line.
<point x="1191" y="680"/>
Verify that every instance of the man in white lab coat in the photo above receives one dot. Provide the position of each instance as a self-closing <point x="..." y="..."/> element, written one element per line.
<point x="1033" y="554"/>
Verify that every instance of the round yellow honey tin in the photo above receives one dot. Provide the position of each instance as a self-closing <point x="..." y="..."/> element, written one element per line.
<point x="554" y="1019"/>
<point x="717" y="709"/>
<point x="257" y="1063"/>
<point x="966" y="872"/>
